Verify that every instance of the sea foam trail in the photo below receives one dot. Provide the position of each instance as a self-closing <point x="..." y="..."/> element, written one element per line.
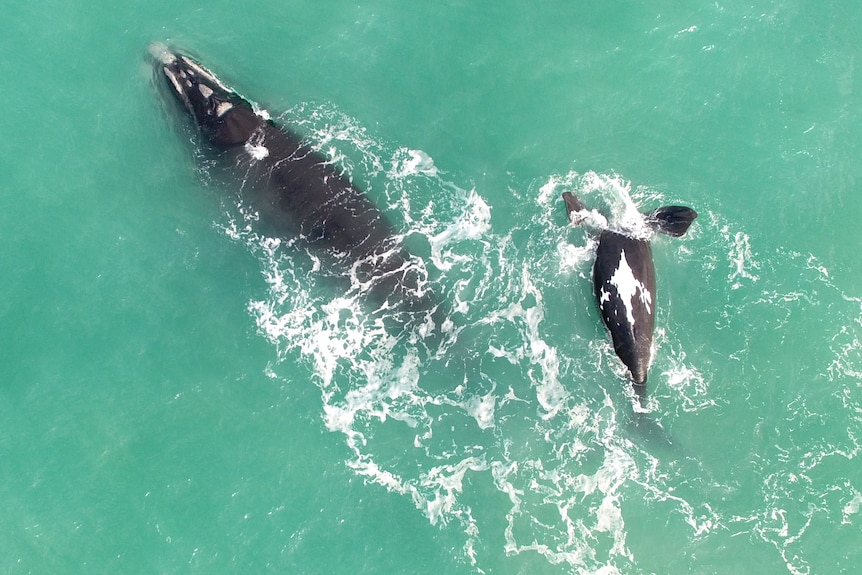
<point x="519" y="395"/>
<point x="391" y="394"/>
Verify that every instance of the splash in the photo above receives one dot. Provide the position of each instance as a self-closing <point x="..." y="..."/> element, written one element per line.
<point x="492" y="397"/>
<point x="517" y="389"/>
<point x="614" y="205"/>
<point x="742" y="259"/>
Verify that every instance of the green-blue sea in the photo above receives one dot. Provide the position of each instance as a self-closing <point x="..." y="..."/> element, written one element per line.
<point x="182" y="393"/>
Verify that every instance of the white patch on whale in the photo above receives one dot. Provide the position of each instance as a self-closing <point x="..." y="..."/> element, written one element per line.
<point x="257" y="152"/>
<point x="199" y="70"/>
<point x="222" y="108"/>
<point x="628" y="287"/>
<point x="174" y="80"/>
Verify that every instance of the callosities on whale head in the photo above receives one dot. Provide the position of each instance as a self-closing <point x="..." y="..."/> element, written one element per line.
<point x="223" y="116"/>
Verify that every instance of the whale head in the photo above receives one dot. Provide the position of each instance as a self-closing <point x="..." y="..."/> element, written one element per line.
<point x="222" y="115"/>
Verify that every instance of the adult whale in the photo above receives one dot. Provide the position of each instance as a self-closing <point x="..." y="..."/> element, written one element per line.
<point x="624" y="283"/>
<point x="296" y="191"/>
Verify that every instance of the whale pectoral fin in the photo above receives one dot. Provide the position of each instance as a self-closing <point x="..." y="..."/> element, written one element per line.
<point x="671" y="220"/>
<point x="574" y="204"/>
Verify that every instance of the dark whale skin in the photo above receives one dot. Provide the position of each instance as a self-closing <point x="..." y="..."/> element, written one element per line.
<point x="297" y="192"/>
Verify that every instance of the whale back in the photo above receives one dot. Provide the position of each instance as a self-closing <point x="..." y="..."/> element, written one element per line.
<point x="298" y="194"/>
<point x="624" y="285"/>
<point x="624" y="282"/>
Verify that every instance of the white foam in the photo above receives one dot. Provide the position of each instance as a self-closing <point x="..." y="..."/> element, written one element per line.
<point x="615" y="192"/>
<point x="574" y="257"/>
<point x="688" y="30"/>
<point x="160" y="52"/>
<point x="482" y="409"/>
<point x="690" y="385"/>
<point x="851" y="507"/>
<point x="611" y="203"/>
<point x="407" y="162"/>
<point x="742" y="259"/>
<point x="473" y="223"/>
<point x="446" y="481"/>
<point x="420" y="425"/>
<point x="257" y="152"/>
<point x="260" y="112"/>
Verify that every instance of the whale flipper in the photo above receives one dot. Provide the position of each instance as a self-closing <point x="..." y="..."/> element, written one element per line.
<point x="671" y="220"/>
<point x="574" y="204"/>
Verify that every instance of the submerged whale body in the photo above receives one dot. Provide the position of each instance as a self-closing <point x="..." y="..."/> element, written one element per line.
<point x="624" y="284"/>
<point x="296" y="191"/>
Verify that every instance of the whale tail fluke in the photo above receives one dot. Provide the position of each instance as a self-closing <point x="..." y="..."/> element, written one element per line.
<point x="652" y="433"/>
<point x="672" y="220"/>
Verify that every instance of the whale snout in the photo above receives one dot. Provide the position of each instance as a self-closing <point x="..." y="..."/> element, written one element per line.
<point x="206" y="98"/>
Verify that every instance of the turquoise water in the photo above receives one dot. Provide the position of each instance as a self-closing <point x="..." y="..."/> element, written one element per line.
<point x="180" y="394"/>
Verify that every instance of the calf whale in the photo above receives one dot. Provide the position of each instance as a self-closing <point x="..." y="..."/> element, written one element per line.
<point x="624" y="283"/>
<point x="296" y="191"/>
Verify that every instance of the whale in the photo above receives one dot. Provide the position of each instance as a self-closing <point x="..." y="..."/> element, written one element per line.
<point x="297" y="193"/>
<point x="624" y="283"/>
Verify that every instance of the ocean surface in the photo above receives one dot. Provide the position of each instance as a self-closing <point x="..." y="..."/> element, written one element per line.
<point x="182" y="393"/>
